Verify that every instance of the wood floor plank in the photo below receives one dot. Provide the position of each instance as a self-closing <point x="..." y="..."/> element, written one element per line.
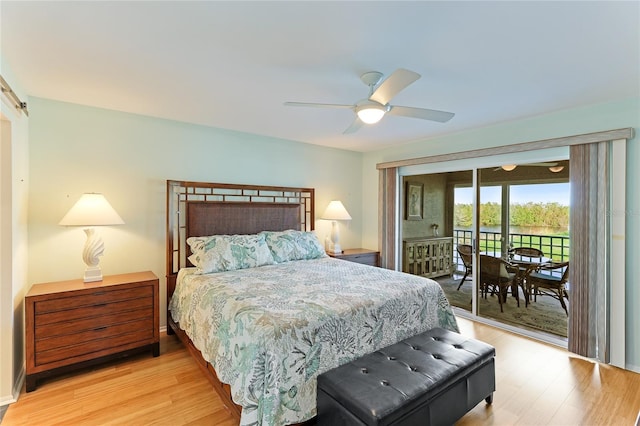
<point x="142" y="390"/>
<point x="537" y="384"/>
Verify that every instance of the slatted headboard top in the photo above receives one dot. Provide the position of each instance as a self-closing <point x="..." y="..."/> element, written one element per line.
<point x="200" y="209"/>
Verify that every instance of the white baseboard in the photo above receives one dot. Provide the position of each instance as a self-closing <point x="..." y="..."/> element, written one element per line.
<point x="19" y="383"/>
<point x="634" y="368"/>
<point x="17" y="387"/>
<point x="7" y="400"/>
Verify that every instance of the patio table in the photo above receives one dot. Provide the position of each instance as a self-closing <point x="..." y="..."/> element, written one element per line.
<point x="526" y="265"/>
<point x="523" y="266"/>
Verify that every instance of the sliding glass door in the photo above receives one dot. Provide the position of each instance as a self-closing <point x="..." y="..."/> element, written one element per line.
<point x="474" y="218"/>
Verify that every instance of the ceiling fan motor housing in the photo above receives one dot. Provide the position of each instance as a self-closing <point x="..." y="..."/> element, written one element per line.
<point x="371" y="78"/>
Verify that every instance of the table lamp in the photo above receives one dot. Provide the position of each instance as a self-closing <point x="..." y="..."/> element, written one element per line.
<point x="335" y="212"/>
<point x="92" y="210"/>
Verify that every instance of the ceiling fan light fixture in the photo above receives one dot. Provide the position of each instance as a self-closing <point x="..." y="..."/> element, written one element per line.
<point x="509" y="167"/>
<point x="556" y="169"/>
<point x="370" y="113"/>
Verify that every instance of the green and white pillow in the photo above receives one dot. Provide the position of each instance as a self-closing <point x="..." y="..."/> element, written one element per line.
<point x="291" y="245"/>
<point x="218" y="253"/>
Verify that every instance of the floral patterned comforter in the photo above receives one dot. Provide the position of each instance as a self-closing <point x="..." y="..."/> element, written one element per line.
<point x="269" y="331"/>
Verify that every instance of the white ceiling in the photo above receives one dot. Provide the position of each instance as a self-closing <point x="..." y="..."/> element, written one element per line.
<point x="232" y="64"/>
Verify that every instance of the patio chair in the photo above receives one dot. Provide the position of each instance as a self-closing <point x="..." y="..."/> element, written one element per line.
<point x="527" y="251"/>
<point x="543" y="283"/>
<point x="495" y="277"/>
<point x="525" y="268"/>
<point x="466" y="253"/>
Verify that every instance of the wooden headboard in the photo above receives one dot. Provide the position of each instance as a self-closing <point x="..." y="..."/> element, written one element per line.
<point x="200" y="209"/>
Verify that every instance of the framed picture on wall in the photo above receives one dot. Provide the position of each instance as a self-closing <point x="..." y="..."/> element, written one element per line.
<point x="413" y="207"/>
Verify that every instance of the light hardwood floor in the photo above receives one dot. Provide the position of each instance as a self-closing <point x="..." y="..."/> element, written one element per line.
<point x="536" y="384"/>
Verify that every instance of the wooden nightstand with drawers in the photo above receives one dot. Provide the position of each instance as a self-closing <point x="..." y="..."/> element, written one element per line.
<point x="73" y="324"/>
<point x="359" y="255"/>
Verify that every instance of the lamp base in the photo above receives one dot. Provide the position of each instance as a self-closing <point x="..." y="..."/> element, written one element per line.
<point x="334" y="249"/>
<point x="334" y="241"/>
<point x="92" y="274"/>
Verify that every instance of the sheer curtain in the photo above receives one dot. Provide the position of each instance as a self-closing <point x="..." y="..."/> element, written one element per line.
<point x="387" y="213"/>
<point x="589" y="269"/>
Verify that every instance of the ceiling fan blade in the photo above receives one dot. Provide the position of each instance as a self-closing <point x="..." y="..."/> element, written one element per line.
<point x="393" y="85"/>
<point x="423" y="113"/>
<point x="357" y="123"/>
<point x="307" y="104"/>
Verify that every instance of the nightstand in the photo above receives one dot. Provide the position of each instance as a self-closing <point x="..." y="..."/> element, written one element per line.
<point x="359" y="255"/>
<point x="73" y="324"/>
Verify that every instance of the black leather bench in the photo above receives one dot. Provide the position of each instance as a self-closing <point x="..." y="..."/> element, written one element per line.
<point x="433" y="378"/>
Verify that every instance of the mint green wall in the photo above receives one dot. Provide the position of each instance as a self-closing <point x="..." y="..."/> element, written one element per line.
<point x="76" y="149"/>
<point x="576" y="121"/>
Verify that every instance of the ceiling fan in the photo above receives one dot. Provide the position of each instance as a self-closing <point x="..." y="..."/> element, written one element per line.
<point x="371" y="109"/>
<point x="553" y="167"/>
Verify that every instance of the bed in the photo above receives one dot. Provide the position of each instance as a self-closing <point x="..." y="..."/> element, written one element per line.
<point x="263" y="324"/>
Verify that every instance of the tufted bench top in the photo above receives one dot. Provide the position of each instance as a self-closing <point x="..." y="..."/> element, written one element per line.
<point x="405" y="374"/>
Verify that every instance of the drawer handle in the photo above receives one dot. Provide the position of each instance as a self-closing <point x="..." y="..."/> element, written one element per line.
<point x="99" y="293"/>
<point x="104" y="327"/>
<point x="99" y="305"/>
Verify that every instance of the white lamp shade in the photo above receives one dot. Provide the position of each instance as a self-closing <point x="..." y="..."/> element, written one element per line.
<point x="91" y="210"/>
<point x="336" y="211"/>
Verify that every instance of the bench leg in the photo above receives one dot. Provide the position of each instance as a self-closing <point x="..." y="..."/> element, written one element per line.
<point x="489" y="399"/>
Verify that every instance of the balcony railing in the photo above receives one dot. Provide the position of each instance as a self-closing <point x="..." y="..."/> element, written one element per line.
<point x="553" y="246"/>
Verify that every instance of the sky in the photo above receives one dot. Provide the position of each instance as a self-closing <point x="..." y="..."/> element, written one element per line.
<point x="520" y="194"/>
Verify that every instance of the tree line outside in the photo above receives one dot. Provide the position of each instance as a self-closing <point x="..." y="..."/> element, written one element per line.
<point x="548" y="220"/>
<point x="536" y="215"/>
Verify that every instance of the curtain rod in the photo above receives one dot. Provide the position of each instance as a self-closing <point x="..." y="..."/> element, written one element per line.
<point x="6" y="89"/>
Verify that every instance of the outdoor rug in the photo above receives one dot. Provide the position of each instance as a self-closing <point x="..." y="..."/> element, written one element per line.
<point x="544" y="315"/>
